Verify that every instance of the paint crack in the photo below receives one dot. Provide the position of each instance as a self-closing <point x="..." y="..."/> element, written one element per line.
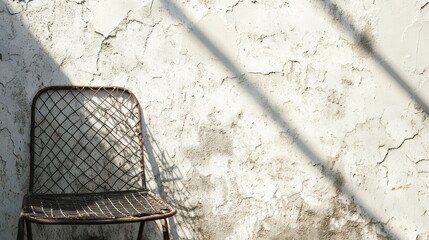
<point x="232" y="7"/>
<point x="398" y="147"/>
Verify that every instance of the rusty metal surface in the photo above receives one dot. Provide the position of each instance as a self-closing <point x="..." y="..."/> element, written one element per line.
<point x="95" y="208"/>
<point x="87" y="159"/>
<point x="86" y="139"/>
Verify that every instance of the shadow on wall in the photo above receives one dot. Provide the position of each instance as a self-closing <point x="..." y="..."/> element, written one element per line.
<point x="164" y="170"/>
<point x="32" y="68"/>
<point x="168" y="179"/>
<point x="262" y="100"/>
<point x="27" y="69"/>
<point x="365" y="43"/>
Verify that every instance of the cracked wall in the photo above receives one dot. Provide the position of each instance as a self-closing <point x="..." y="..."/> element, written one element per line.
<point x="262" y="119"/>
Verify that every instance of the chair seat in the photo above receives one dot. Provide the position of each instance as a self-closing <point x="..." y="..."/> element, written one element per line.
<point x="95" y="208"/>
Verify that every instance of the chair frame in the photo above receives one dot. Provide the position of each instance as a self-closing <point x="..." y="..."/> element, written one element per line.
<point x="26" y="218"/>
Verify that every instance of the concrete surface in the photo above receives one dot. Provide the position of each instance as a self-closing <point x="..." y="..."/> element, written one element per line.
<point x="263" y="119"/>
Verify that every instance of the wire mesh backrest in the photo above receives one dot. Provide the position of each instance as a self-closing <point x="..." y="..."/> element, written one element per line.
<point x="86" y="140"/>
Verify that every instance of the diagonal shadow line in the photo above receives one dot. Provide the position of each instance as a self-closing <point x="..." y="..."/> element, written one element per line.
<point x="333" y="10"/>
<point x="334" y="177"/>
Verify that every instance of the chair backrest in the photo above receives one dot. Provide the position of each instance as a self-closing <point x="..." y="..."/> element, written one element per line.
<point x="85" y="139"/>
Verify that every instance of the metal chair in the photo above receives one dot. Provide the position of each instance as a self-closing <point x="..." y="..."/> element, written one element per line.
<point x="87" y="161"/>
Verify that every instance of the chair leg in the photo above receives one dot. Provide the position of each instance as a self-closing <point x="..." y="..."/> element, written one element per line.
<point x="140" y="236"/>
<point x="29" y="232"/>
<point x="20" y="229"/>
<point x="165" y="231"/>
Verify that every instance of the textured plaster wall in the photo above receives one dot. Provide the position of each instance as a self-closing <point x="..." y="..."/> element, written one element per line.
<point x="264" y="119"/>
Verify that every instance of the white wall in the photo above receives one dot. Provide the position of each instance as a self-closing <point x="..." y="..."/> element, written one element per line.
<point x="264" y="119"/>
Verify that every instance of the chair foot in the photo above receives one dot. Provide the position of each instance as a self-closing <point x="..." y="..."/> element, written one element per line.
<point x="165" y="231"/>
<point x="140" y="236"/>
<point x="29" y="232"/>
<point x="20" y="229"/>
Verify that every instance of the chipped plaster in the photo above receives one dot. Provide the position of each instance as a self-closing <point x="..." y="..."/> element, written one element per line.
<point x="263" y="119"/>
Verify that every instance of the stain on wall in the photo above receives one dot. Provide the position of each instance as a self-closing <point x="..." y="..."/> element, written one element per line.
<point x="263" y="119"/>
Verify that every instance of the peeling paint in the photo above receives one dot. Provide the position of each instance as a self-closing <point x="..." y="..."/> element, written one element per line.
<point x="422" y="166"/>
<point x="212" y="141"/>
<point x="263" y="119"/>
<point x="108" y="14"/>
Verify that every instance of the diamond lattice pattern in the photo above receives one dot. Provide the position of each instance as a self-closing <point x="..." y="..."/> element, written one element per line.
<point x="86" y="140"/>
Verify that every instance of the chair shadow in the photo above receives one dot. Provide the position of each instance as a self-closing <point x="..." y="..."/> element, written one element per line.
<point x="167" y="175"/>
<point x="168" y="178"/>
<point x="44" y="72"/>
